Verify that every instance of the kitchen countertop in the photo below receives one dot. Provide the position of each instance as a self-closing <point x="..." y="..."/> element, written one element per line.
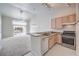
<point x="45" y="33"/>
<point x="40" y="35"/>
<point x="53" y="30"/>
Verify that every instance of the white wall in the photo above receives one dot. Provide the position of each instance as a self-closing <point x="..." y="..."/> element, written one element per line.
<point x="64" y="11"/>
<point x="28" y="26"/>
<point x="0" y="26"/>
<point x="42" y="20"/>
<point x="77" y="30"/>
<point x="7" y="28"/>
<point x="77" y="39"/>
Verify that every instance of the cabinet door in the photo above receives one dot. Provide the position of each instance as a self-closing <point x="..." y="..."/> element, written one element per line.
<point x="58" y="23"/>
<point x="55" y="38"/>
<point x="51" y="41"/>
<point x="65" y="19"/>
<point x="58" y="38"/>
<point x="71" y="18"/>
<point x="53" y="23"/>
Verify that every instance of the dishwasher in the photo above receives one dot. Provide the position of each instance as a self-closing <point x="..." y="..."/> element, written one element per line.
<point x="44" y="45"/>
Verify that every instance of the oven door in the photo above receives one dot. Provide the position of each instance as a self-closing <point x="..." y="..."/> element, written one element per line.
<point x="68" y="40"/>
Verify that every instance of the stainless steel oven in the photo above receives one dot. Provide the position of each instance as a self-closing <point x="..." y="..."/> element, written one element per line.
<point x="69" y="39"/>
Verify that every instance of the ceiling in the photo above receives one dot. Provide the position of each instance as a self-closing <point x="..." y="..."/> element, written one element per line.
<point x="59" y="5"/>
<point x="14" y="12"/>
<point x="48" y="5"/>
<point x="14" y="9"/>
<point x="42" y="7"/>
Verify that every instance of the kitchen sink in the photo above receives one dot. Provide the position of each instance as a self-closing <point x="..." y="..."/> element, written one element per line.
<point x="46" y="34"/>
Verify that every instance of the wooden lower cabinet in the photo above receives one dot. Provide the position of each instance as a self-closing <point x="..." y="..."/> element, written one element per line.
<point x="55" y="38"/>
<point x="51" y="41"/>
<point x="58" y="38"/>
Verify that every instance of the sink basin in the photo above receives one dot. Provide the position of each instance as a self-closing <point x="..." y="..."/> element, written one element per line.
<point x="46" y="34"/>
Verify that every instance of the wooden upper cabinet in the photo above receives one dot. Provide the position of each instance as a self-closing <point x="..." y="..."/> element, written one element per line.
<point x="59" y="38"/>
<point x="58" y="23"/>
<point x="72" y="18"/>
<point x="65" y="19"/>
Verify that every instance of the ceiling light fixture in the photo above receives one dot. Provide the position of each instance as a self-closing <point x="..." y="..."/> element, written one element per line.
<point x="68" y="4"/>
<point x="51" y="5"/>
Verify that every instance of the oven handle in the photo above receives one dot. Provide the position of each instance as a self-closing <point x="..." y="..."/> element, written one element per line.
<point x="68" y="36"/>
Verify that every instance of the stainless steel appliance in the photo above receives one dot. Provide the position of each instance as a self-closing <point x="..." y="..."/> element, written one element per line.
<point x="68" y="39"/>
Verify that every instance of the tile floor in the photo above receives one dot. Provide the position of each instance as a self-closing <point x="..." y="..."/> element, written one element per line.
<point x="59" y="50"/>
